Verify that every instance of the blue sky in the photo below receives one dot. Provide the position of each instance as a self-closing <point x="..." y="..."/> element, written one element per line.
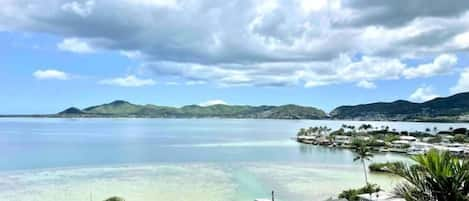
<point x="323" y="54"/>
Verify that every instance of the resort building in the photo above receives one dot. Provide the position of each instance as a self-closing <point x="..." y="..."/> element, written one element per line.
<point x="342" y="139"/>
<point x="400" y="144"/>
<point x="419" y="148"/>
<point x="408" y="138"/>
<point x="459" y="151"/>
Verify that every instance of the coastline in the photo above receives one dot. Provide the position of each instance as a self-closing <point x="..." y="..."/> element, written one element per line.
<point x="103" y="116"/>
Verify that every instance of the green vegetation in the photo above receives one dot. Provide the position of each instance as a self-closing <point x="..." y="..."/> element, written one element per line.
<point x="459" y="138"/>
<point x="321" y="130"/>
<point x="435" y="176"/>
<point x="436" y="139"/>
<point x="381" y="167"/>
<point x="453" y="108"/>
<point x="352" y="194"/>
<point x="363" y="154"/>
<point x="115" y="199"/>
<point x="121" y="108"/>
<point x="449" y="109"/>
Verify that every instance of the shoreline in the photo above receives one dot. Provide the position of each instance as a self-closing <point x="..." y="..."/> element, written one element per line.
<point x="54" y="116"/>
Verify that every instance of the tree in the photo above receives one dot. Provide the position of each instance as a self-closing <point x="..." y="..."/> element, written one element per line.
<point x="436" y="139"/>
<point x="363" y="154"/>
<point x="436" y="176"/>
<point x="302" y="132"/>
<point x="365" y="127"/>
<point x="115" y="199"/>
<point x="459" y="138"/>
<point x="311" y="130"/>
<point x="352" y="194"/>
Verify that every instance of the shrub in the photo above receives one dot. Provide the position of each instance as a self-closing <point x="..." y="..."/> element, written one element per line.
<point x="381" y="167"/>
<point x="115" y="199"/>
<point x="436" y="139"/>
<point x="460" y="138"/>
<point x="352" y="194"/>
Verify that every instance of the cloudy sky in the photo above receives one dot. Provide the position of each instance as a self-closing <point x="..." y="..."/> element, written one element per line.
<point x="323" y="53"/>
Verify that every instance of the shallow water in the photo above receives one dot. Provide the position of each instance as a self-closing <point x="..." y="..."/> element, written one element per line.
<point x="175" y="159"/>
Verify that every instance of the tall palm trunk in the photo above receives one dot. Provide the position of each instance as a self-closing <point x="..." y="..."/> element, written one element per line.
<point x="364" y="171"/>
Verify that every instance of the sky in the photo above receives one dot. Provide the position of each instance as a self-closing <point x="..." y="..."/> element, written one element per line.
<point x="323" y="53"/>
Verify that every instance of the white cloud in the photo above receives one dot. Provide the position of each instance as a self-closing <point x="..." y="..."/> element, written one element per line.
<point x="363" y="72"/>
<point x="366" y="84"/>
<point x="195" y="82"/>
<point x="441" y="65"/>
<point x="129" y="81"/>
<point x="213" y="102"/>
<point x="135" y="54"/>
<point x="172" y="83"/>
<point x="423" y="94"/>
<point x="75" y="45"/>
<point x="82" y="9"/>
<point x="264" y="43"/>
<point x="51" y="74"/>
<point x="463" y="83"/>
<point x="462" y="40"/>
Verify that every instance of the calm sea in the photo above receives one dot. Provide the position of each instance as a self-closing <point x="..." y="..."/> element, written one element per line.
<point x="176" y="159"/>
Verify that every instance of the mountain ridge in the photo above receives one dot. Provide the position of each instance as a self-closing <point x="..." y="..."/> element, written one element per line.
<point x="451" y="108"/>
<point x="120" y="108"/>
<point x="454" y="108"/>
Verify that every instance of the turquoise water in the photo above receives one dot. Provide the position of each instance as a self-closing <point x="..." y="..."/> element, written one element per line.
<point x="175" y="159"/>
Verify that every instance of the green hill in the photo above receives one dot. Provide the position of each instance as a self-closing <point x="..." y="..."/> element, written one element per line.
<point x="121" y="108"/>
<point x="452" y="108"/>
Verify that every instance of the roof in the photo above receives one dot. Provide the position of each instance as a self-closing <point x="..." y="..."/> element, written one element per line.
<point x="342" y="137"/>
<point x="400" y="142"/>
<point x="407" y="138"/>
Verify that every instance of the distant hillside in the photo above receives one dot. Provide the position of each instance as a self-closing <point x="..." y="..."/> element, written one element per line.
<point x="121" y="108"/>
<point x="452" y="108"/>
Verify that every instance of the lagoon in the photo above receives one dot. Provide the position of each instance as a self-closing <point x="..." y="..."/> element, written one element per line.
<point x="44" y="159"/>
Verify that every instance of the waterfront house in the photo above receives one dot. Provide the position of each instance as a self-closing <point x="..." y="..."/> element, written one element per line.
<point x="419" y="148"/>
<point x="458" y="151"/>
<point x="400" y="144"/>
<point x="342" y="139"/>
<point x="408" y="138"/>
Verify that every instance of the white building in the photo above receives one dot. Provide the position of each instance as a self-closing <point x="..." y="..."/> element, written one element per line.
<point x="419" y="148"/>
<point x="342" y="139"/>
<point x="400" y="143"/>
<point x="408" y="138"/>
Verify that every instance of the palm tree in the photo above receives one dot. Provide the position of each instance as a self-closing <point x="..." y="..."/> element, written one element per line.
<point x="436" y="176"/>
<point x="365" y="127"/>
<point x="302" y="132"/>
<point x="363" y="154"/>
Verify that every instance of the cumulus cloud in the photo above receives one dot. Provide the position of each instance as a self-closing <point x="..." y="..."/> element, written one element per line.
<point x="463" y="83"/>
<point x="213" y="102"/>
<point x="309" y="74"/>
<point x="442" y="64"/>
<point x="51" y="74"/>
<point x="82" y="9"/>
<point x="423" y="94"/>
<point x="129" y="81"/>
<point x="366" y="84"/>
<point x="264" y="43"/>
<point x="75" y="45"/>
